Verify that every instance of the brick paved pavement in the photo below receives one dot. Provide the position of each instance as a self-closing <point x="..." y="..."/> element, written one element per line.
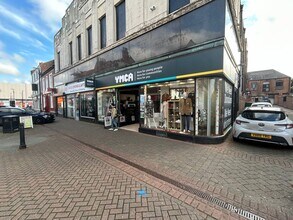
<point x="59" y="178"/>
<point x="253" y="177"/>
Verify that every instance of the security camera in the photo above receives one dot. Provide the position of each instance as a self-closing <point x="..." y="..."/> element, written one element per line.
<point x="153" y="8"/>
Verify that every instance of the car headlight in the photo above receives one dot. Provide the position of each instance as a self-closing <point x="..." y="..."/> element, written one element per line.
<point x="45" y="116"/>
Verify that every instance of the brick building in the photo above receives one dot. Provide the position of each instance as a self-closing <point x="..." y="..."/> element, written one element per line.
<point x="43" y="86"/>
<point x="268" y="84"/>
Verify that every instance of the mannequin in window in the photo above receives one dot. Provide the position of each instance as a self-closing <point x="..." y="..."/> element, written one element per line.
<point x="185" y="110"/>
<point x="164" y="108"/>
<point x="149" y="112"/>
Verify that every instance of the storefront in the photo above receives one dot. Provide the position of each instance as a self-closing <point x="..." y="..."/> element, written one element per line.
<point x="187" y="97"/>
<point x="80" y="101"/>
<point x="178" y="78"/>
<point x="60" y="105"/>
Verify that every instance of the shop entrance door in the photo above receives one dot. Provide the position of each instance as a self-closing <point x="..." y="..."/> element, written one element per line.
<point x="129" y="105"/>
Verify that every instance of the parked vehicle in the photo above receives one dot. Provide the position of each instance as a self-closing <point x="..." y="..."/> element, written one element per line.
<point x="261" y="104"/>
<point x="264" y="124"/>
<point x="37" y="116"/>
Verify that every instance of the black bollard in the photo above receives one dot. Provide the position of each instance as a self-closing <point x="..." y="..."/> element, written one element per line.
<point x="22" y="144"/>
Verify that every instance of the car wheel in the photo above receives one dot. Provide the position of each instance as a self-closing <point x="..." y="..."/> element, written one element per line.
<point x="38" y="121"/>
<point x="235" y="139"/>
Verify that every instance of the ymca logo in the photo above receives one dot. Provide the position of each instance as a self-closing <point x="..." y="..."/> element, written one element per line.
<point x="124" y="78"/>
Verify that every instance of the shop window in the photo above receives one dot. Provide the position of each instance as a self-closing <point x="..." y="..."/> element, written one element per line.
<point x="168" y="106"/>
<point x="87" y="105"/>
<point x="120" y="20"/>
<point x="71" y="106"/>
<point x="176" y="4"/>
<point x="104" y="99"/>
<point x="227" y="106"/>
<point x="60" y="105"/>
<point x="208" y="105"/>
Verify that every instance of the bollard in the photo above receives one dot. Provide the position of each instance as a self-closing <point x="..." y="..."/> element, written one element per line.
<point x="22" y="144"/>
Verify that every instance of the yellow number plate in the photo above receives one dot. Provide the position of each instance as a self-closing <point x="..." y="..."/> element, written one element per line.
<point x="261" y="136"/>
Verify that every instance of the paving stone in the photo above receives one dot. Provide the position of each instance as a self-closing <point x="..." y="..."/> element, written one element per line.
<point x="94" y="188"/>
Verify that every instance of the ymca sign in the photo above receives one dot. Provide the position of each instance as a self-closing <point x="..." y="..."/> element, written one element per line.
<point x="124" y="78"/>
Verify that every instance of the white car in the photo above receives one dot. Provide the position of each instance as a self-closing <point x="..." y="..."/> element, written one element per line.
<point x="261" y="104"/>
<point x="264" y="124"/>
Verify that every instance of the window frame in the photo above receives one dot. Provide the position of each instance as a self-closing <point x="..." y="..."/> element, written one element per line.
<point x="89" y="31"/>
<point x="279" y="87"/>
<point x="103" y="31"/>
<point x="265" y="86"/>
<point x="58" y="60"/>
<point x="120" y="30"/>
<point x="70" y="53"/>
<point x="253" y="86"/>
<point x="79" y="56"/>
<point x="179" y="5"/>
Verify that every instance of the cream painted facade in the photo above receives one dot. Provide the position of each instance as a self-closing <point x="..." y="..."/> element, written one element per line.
<point x="81" y="14"/>
<point x="15" y="92"/>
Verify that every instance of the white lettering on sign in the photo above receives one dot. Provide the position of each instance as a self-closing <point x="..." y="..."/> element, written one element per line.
<point x="124" y="78"/>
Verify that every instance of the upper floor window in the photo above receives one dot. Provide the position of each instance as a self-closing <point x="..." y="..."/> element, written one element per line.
<point x="89" y="40"/>
<point x="47" y="83"/>
<point x="103" y="35"/>
<point x="254" y="86"/>
<point x="279" y="85"/>
<point x="266" y="87"/>
<point x="58" y="60"/>
<point x="70" y="53"/>
<point x="176" y="4"/>
<point x="51" y="81"/>
<point x="79" y="47"/>
<point x="120" y="20"/>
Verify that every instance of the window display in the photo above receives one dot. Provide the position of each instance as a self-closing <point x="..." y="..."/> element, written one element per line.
<point x="104" y="99"/>
<point x="185" y="111"/>
<point x="164" y="109"/>
<point x="190" y="107"/>
<point x="60" y="105"/>
<point x="87" y="105"/>
<point x="149" y="112"/>
<point x="208" y="106"/>
<point x="71" y="106"/>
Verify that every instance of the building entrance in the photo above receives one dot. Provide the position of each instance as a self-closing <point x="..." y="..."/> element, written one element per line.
<point x="129" y="105"/>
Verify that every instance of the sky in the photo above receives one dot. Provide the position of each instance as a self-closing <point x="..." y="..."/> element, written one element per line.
<point x="27" y="29"/>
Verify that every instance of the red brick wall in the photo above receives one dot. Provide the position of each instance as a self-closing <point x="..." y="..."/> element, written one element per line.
<point x="288" y="104"/>
<point x="273" y="90"/>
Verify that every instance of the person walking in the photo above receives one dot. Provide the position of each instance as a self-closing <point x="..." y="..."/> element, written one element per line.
<point x="114" y="117"/>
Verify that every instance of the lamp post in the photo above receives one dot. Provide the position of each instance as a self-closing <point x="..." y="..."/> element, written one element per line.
<point x="22" y="99"/>
<point x="12" y="102"/>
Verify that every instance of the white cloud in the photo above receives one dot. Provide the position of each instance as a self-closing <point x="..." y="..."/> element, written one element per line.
<point x="269" y="33"/>
<point x="8" y="69"/>
<point x="18" y="58"/>
<point x="52" y="11"/>
<point x="9" y="32"/>
<point x="21" y="21"/>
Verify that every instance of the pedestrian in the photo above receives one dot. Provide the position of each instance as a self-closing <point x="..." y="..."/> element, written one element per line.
<point x="114" y="117"/>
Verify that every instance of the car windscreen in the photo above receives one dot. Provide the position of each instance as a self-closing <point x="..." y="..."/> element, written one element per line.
<point x="264" y="115"/>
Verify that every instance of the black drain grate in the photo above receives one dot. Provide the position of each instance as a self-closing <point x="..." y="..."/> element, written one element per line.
<point x="187" y="188"/>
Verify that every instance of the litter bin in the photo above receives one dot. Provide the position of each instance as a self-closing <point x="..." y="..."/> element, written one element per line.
<point x="10" y="123"/>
